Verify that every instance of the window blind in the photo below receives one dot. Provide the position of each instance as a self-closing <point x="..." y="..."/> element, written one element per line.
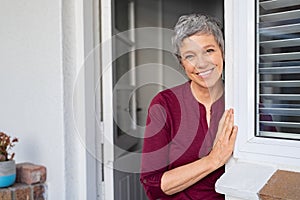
<point x="278" y="69"/>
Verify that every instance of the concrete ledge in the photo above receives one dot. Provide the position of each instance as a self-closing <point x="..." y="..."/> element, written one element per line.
<point x="244" y="180"/>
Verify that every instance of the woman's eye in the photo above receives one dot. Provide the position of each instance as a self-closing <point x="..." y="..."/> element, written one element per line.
<point x="189" y="57"/>
<point x="210" y="50"/>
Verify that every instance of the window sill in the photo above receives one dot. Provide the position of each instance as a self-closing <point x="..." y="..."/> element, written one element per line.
<point x="244" y="180"/>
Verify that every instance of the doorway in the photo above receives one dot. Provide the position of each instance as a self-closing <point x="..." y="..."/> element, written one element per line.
<point x="142" y="64"/>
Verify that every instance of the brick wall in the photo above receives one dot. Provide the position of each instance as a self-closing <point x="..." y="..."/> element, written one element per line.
<point x="30" y="184"/>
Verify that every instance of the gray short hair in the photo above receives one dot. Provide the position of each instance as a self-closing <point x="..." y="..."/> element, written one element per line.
<point x="188" y="25"/>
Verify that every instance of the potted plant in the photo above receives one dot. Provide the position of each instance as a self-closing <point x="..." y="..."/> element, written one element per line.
<point x="7" y="163"/>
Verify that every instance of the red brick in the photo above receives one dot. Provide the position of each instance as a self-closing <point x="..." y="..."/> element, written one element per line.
<point x="19" y="171"/>
<point x="282" y="185"/>
<point x="21" y="192"/>
<point x="30" y="173"/>
<point x="39" y="191"/>
<point x="5" y="194"/>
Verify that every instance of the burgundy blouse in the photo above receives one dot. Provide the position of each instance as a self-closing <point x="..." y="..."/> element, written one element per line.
<point x="177" y="133"/>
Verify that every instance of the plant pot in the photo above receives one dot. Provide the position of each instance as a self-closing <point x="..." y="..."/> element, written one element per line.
<point x="7" y="173"/>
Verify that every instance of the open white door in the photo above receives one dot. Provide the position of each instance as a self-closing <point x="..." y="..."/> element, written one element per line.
<point x="119" y="103"/>
<point x="126" y="93"/>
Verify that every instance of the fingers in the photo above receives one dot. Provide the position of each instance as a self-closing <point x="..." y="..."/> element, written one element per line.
<point x="226" y="131"/>
<point x="233" y="136"/>
<point x="220" y="126"/>
<point x="224" y="143"/>
<point x="223" y="118"/>
<point x="225" y="125"/>
<point x="229" y="123"/>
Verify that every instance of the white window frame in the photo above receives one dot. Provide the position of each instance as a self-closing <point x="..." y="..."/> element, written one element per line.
<point x="240" y="89"/>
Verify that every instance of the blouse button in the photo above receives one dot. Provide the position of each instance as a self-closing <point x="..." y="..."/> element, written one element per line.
<point x="145" y="181"/>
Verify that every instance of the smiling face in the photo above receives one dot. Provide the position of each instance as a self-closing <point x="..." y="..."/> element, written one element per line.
<point x="202" y="59"/>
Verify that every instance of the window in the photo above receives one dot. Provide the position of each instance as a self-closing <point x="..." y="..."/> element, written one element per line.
<point x="278" y="69"/>
<point x="262" y="81"/>
<point x="252" y="68"/>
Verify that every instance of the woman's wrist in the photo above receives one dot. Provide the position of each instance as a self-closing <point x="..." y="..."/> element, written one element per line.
<point x="213" y="162"/>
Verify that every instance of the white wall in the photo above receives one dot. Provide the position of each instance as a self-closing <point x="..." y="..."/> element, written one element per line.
<point x="31" y="85"/>
<point x="45" y="90"/>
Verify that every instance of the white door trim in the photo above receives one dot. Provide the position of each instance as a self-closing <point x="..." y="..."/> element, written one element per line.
<point x="107" y="97"/>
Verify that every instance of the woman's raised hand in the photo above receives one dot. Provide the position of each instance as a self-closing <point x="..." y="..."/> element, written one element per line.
<point x="225" y="139"/>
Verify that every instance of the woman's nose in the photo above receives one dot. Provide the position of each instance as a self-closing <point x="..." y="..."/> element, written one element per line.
<point x="202" y="61"/>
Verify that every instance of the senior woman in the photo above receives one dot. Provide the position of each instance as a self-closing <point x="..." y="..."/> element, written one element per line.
<point x="189" y="137"/>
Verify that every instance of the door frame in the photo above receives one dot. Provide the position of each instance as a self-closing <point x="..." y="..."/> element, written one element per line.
<point x="93" y="136"/>
<point x="87" y="97"/>
<point x="107" y="88"/>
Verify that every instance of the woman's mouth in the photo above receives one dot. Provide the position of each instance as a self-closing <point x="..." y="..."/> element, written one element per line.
<point x="206" y="73"/>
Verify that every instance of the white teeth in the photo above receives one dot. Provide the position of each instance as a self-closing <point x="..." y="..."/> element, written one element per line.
<point x="205" y="73"/>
